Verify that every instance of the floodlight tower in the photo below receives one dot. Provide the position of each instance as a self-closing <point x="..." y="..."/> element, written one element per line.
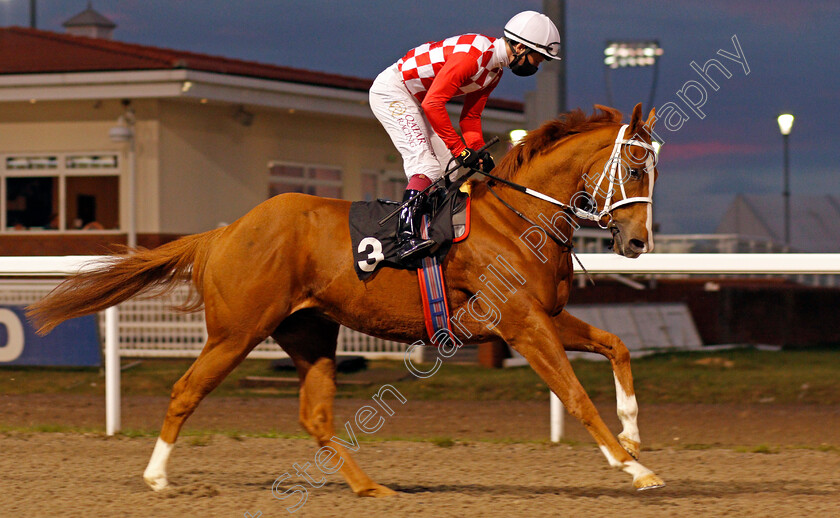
<point x="631" y="53"/>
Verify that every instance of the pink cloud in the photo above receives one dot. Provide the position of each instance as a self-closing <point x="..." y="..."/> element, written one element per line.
<point x="694" y="150"/>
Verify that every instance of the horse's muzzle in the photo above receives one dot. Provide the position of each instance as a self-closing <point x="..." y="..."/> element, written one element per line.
<point x="632" y="248"/>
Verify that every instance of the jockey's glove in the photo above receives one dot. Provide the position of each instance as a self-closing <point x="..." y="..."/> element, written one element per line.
<point x="468" y="158"/>
<point x="487" y="163"/>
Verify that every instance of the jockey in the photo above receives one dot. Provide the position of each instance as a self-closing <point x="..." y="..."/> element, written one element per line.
<point x="409" y="99"/>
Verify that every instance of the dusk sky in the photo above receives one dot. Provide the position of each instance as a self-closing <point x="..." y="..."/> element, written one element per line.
<point x="791" y="48"/>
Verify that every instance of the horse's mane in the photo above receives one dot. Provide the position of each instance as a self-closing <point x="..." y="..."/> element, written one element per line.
<point x="542" y="139"/>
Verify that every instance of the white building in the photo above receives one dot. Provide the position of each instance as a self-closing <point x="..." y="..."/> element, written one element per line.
<point x="212" y="138"/>
<point x="814" y="221"/>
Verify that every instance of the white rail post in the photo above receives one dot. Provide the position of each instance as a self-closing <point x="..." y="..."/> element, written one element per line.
<point x="556" y="417"/>
<point x="112" y="372"/>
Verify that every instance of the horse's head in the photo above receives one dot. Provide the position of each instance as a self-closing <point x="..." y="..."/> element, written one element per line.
<point x="618" y="185"/>
<point x="604" y="168"/>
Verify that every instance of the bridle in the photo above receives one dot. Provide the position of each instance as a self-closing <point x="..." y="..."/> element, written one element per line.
<point x="610" y="173"/>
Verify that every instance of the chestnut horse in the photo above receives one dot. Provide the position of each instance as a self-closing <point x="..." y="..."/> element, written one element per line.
<point x="285" y="270"/>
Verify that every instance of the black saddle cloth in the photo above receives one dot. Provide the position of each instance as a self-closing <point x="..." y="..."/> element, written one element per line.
<point x="375" y="246"/>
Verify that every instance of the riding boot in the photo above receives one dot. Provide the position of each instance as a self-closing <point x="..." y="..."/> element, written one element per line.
<point x="411" y="244"/>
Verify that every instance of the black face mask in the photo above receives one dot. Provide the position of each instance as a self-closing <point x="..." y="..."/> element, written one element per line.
<point x="521" y="66"/>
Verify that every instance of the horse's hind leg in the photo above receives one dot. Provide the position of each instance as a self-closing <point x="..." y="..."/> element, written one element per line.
<point x="310" y="341"/>
<point x="218" y="358"/>
<point x="577" y="335"/>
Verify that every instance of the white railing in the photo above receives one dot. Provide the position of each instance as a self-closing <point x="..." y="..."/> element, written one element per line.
<point x="149" y="328"/>
<point x="710" y="264"/>
<point x="714" y="264"/>
<point x="787" y="264"/>
<point x="595" y="240"/>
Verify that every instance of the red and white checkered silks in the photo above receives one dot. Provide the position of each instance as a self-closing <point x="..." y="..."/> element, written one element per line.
<point x="420" y="65"/>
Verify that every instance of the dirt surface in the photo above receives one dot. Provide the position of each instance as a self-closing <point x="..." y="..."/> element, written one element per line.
<point x="75" y="474"/>
<point x="661" y="425"/>
<point x="69" y="475"/>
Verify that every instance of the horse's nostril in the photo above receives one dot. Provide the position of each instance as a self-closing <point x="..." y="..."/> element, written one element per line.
<point x="637" y="244"/>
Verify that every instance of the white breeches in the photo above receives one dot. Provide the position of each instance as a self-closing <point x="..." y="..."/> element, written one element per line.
<point x="423" y="152"/>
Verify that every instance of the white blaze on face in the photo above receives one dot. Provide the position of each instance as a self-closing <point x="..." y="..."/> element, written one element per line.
<point x="651" y="169"/>
<point x="628" y="411"/>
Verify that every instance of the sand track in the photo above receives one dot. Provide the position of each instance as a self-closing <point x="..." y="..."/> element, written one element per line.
<point x="55" y="474"/>
<point x="74" y="474"/>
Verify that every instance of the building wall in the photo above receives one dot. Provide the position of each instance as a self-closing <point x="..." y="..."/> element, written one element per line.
<point x="82" y="126"/>
<point x="196" y="166"/>
<point x="148" y="170"/>
<point x="214" y="169"/>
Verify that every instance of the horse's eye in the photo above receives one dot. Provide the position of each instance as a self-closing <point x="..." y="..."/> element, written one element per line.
<point x="635" y="174"/>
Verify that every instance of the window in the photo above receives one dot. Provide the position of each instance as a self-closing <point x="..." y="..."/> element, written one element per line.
<point x="316" y="180"/>
<point x="72" y="191"/>
<point x="388" y="185"/>
<point x="91" y="200"/>
<point x="92" y="162"/>
<point x="28" y="163"/>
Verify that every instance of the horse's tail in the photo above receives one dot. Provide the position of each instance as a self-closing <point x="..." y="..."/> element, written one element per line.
<point x="125" y="275"/>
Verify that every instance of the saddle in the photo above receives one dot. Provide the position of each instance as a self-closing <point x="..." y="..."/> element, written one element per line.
<point x="375" y="247"/>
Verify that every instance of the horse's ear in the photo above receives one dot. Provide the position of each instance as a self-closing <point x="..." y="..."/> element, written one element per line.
<point x="636" y="120"/>
<point x="651" y="120"/>
<point x="613" y="114"/>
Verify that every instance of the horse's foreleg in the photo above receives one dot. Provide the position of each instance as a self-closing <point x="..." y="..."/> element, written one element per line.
<point x="214" y="363"/>
<point x="543" y="350"/>
<point x="577" y="335"/>
<point x="311" y="343"/>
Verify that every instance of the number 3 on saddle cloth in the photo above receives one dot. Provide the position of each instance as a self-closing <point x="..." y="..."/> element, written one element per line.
<point x="375" y="247"/>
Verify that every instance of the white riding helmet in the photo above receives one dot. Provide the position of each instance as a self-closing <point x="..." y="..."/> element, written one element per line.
<point x="536" y="31"/>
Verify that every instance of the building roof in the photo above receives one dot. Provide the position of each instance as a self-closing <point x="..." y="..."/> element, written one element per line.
<point x="33" y="51"/>
<point x="814" y="220"/>
<point x="89" y="17"/>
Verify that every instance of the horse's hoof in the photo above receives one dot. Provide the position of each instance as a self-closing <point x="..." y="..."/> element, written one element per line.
<point x="634" y="448"/>
<point x="378" y="491"/>
<point x="156" y="482"/>
<point x="649" y="481"/>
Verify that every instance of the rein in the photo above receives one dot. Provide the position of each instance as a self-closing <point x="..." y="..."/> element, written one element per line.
<point x="563" y="244"/>
<point x="613" y="179"/>
<point x="610" y="175"/>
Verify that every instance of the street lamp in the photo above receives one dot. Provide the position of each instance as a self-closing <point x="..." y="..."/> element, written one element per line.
<point x="785" y="121"/>
<point x="631" y="53"/>
<point x="124" y="132"/>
